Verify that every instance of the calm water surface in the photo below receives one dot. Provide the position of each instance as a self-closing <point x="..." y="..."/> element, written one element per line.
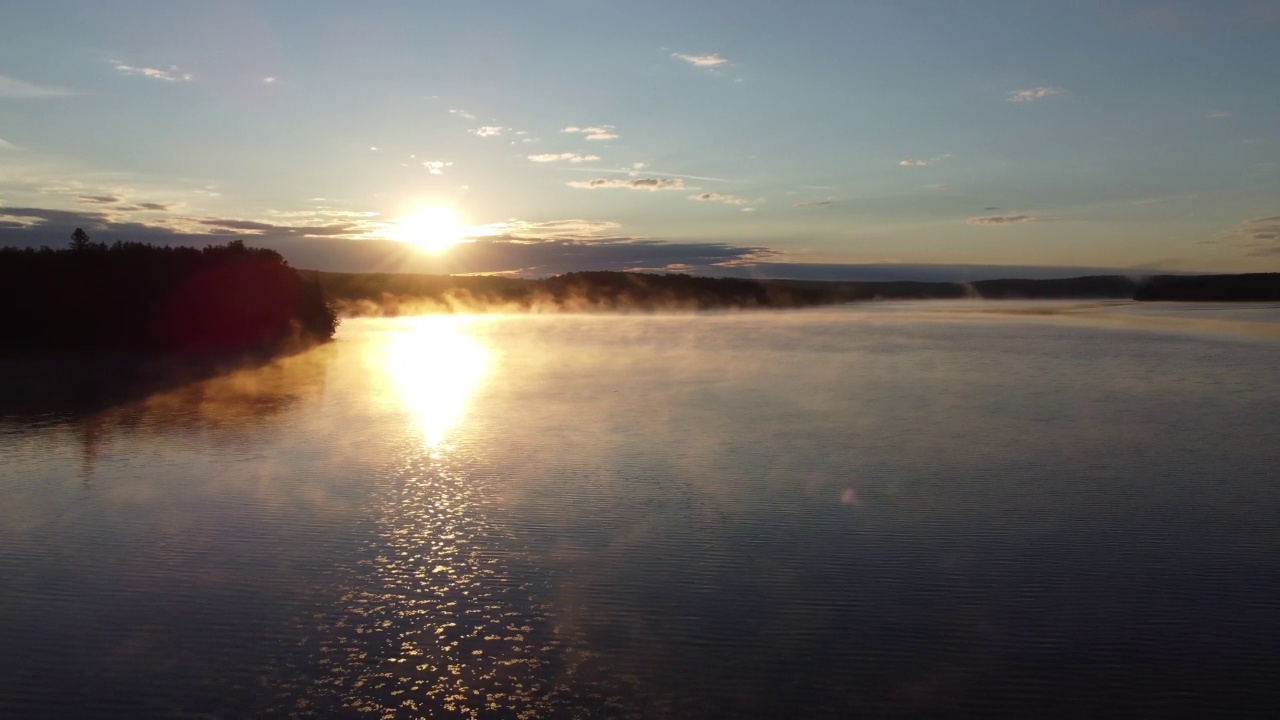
<point x="1033" y="510"/>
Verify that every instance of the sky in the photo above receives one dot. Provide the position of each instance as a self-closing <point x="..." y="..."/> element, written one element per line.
<point x="812" y="138"/>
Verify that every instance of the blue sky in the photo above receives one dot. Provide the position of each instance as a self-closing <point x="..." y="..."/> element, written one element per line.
<point x="762" y="138"/>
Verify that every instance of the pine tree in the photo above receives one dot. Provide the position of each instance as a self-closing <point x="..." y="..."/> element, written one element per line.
<point x="80" y="240"/>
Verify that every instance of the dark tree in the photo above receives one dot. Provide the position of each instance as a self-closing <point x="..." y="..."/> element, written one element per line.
<point x="219" y="299"/>
<point x="80" y="240"/>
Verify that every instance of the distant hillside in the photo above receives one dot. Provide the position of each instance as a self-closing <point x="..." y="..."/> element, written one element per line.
<point x="1249" y="287"/>
<point x="390" y="293"/>
<point x="1094" y="286"/>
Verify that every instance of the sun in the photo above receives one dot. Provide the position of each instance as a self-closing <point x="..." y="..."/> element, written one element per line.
<point x="432" y="228"/>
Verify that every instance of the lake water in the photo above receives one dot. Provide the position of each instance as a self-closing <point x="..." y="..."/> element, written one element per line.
<point x="1031" y="510"/>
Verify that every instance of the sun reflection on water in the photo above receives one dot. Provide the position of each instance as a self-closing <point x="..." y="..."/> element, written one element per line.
<point x="435" y="368"/>
<point x="433" y="622"/>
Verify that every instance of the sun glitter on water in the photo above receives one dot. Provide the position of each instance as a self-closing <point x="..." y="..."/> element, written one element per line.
<point x="434" y="367"/>
<point x="432" y="228"/>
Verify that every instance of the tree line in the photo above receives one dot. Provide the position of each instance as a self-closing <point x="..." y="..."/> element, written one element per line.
<point x="138" y="296"/>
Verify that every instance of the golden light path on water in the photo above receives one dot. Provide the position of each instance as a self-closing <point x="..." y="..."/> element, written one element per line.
<point x="433" y="624"/>
<point x="435" y="368"/>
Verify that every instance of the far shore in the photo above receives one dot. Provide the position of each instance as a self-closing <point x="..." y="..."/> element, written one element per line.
<point x="360" y="294"/>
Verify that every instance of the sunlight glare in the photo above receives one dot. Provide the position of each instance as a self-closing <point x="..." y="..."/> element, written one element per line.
<point x="432" y="228"/>
<point x="435" y="368"/>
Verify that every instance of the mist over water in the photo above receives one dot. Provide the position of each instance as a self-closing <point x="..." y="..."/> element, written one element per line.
<point x="926" y="509"/>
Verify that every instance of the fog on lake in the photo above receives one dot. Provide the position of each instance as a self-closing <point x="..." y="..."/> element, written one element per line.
<point x="917" y="509"/>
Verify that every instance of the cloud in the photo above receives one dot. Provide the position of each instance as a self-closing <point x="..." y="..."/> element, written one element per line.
<point x="701" y="61"/>
<point x="15" y="88"/>
<point x="812" y="204"/>
<point x="1034" y="94"/>
<point x="563" y="157"/>
<point x="650" y="184"/>
<point x="939" y="186"/>
<point x="345" y="229"/>
<point x="573" y="230"/>
<point x="1218" y="115"/>
<point x="1257" y="236"/>
<point x="172" y="74"/>
<point x="922" y="162"/>
<point x="1005" y="220"/>
<point x="99" y="199"/>
<point x="462" y="114"/>
<point x="717" y="197"/>
<point x="595" y="132"/>
<point x="488" y="131"/>
<point x="6" y="145"/>
<point x="436" y="167"/>
<point x="270" y="80"/>
<point x="321" y="212"/>
<point x="516" y="247"/>
<point x="114" y="222"/>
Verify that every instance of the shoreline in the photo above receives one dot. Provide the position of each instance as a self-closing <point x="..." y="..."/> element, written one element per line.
<point x="39" y="382"/>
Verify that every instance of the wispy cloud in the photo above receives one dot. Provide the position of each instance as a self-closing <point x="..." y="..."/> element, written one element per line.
<point x="462" y="114"/>
<point x="485" y="131"/>
<point x="563" y="157"/>
<point x="1034" y="94"/>
<point x="320" y="212"/>
<point x="650" y="184"/>
<point x="1006" y="220"/>
<point x="1257" y="236"/>
<point x="99" y="199"/>
<point x="1218" y="115"/>
<point x="436" y="167"/>
<point x="573" y="230"/>
<point x="15" y="88"/>
<point x="516" y="247"/>
<point x="595" y="132"/>
<point x="253" y="227"/>
<point x="702" y="61"/>
<point x="172" y="74"/>
<point x="814" y="204"/>
<point x="6" y="145"/>
<point x="717" y="197"/>
<point x="922" y="162"/>
<point x="940" y="186"/>
<point x="633" y="172"/>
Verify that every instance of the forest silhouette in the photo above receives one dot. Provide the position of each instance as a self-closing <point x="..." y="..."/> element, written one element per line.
<point x="219" y="299"/>
<point x="226" y="299"/>
<point x="611" y="291"/>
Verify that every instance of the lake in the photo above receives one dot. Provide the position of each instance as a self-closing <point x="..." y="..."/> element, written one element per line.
<point x="887" y="510"/>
